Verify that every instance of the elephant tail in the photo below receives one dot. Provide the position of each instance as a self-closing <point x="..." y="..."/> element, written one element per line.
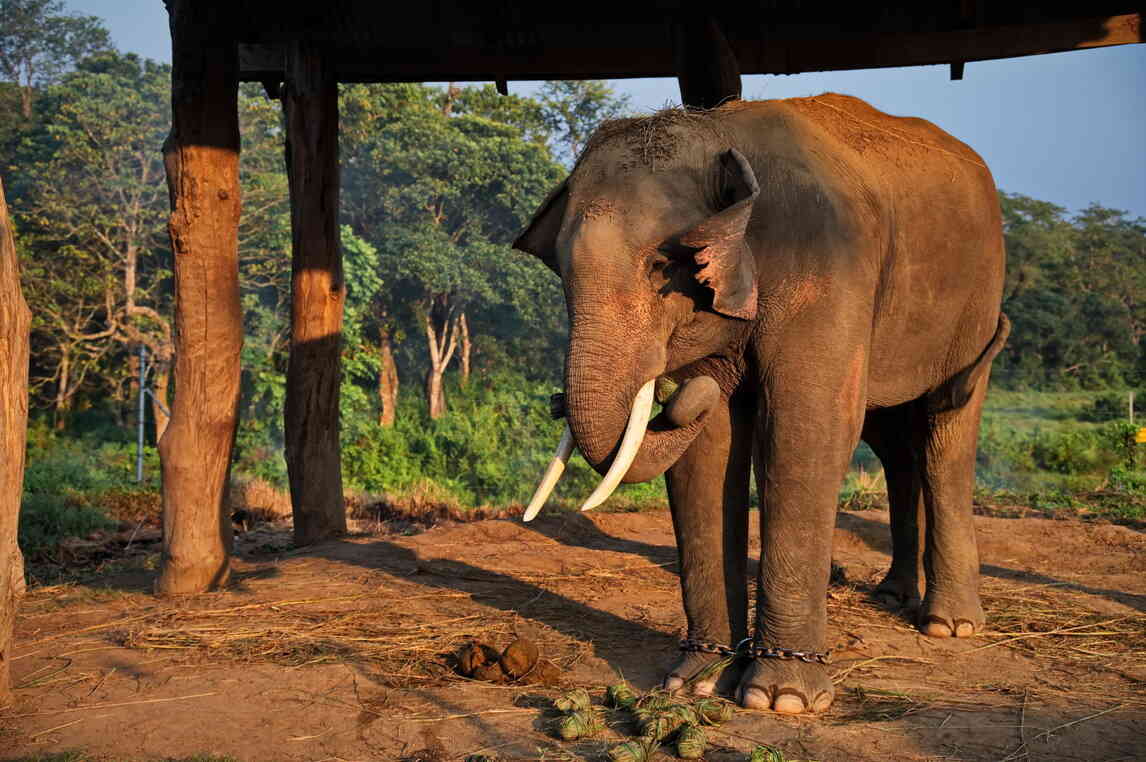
<point x="955" y="392"/>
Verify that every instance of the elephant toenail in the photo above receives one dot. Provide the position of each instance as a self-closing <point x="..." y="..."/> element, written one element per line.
<point x="789" y="701"/>
<point x="673" y="683"/>
<point x="755" y="698"/>
<point x="936" y="627"/>
<point x="964" y="628"/>
<point x="703" y="688"/>
<point x="822" y="702"/>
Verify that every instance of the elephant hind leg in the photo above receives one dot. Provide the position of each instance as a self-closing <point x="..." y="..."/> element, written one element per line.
<point x="951" y="607"/>
<point x="889" y="433"/>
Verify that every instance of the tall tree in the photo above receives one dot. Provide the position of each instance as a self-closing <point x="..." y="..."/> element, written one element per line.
<point x="95" y="214"/>
<point x="440" y="185"/>
<point x="39" y="41"/>
<point x="573" y="109"/>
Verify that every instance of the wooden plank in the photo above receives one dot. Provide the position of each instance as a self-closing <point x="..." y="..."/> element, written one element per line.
<point x="15" y="321"/>
<point x="202" y="158"/>
<point x="313" y="451"/>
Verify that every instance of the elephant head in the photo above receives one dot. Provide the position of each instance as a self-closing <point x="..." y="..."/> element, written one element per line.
<point x="658" y="275"/>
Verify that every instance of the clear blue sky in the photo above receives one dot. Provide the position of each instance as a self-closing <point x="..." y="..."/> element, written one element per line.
<point x="1068" y="128"/>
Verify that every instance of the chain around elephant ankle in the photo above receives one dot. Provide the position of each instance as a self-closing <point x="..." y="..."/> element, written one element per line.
<point x="748" y="648"/>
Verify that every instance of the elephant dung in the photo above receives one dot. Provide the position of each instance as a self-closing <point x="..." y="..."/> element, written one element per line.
<point x="519" y="658"/>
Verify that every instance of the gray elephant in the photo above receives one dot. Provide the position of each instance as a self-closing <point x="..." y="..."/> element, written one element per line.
<point x="805" y="273"/>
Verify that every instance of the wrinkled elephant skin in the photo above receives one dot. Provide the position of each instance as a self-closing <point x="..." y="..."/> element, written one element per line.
<point x="796" y="275"/>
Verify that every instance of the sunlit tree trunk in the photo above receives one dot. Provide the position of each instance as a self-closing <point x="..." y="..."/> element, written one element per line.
<point x="441" y="341"/>
<point x="63" y="389"/>
<point x="15" y="321"/>
<point x="202" y="158"/>
<point x="160" y="381"/>
<point x="387" y="379"/>
<point x="465" y="346"/>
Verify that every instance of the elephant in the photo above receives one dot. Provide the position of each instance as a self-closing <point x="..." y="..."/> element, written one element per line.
<point x="786" y="277"/>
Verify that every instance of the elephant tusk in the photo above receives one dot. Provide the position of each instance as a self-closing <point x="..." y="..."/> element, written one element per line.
<point x="552" y="474"/>
<point x="627" y="453"/>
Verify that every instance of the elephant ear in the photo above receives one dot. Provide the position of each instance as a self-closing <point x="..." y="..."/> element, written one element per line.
<point x="727" y="264"/>
<point x="540" y="236"/>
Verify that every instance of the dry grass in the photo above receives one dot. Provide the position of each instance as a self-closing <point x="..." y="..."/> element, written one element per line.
<point x="1051" y="624"/>
<point x="390" y="630"/>
<point x="259" y="498"/>
<point x="1079" y="650"/>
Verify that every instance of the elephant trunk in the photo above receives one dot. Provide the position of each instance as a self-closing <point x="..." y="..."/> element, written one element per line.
<point x="607" y="414"/>
<point x="600" y="397"/>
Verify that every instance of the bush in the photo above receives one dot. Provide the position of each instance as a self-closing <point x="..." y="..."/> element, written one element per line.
<point x="45" y="519"/>
<point x="1113" y="407"/>
<point x="74" y="486"/>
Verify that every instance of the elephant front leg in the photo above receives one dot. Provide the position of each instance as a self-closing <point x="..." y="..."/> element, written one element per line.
<point x="708" y="494"/>
<point x="807" y="438"/>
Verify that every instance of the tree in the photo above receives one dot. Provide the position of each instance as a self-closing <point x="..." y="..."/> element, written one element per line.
<point x="573" y="109"/>
<point x="39" y="42"/>
<point x="440" y="186"/>
<point x="94" y="218"/>
<point x="1075" y="292"/>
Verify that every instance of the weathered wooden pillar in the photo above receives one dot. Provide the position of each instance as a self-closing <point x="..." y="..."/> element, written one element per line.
<point x="14" y="323"/>
<point x="706" y="66"/>
<point x="313" y="452"/>
<point x="202" y="158"/>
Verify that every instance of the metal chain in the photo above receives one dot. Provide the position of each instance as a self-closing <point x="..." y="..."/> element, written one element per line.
<point x="748" y="648"/>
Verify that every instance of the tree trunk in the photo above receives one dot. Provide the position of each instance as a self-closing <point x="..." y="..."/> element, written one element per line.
<point x="202" y="160"/>
<point x="159" y="384"/>
<point x="441" y="343"/>
<point x="26" y="101"/>
<point x="466" y="346"/>
<point x="63" y="397"/>
<point x="435" y="396"/>
<point x="313" y="453"/>
<point x="387" y="379"/>
<point x="15" y="321"/>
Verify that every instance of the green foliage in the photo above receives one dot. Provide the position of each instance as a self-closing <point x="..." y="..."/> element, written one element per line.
<point x="1076" y="295"/>
<point x="489" y="449"/>
<point x="39" y="41"/>
<point x="74" y="486"/>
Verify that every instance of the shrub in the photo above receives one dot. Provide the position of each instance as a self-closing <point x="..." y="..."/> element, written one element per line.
<point x="45" y="519"/>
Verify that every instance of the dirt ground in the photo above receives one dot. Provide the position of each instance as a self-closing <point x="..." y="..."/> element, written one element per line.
<point x="342" y="651"/>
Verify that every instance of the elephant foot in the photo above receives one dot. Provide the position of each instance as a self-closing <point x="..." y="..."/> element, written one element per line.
<point x="788" y="687"/>
<point x="897" y="593"/>
<point x="695" y="674"/>
<point x="951" y="617"/>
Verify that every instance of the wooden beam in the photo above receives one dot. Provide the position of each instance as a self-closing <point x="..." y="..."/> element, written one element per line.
<point x="202" y="158"/>
<point x="633" y="50"/>
<point x="15" y="321"/>
<point x="705" y="64"/>
<point x="313" y="454"/>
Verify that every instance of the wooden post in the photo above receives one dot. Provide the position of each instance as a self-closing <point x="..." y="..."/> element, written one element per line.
<point x="706" y="66"/>
<point x="14" y="324"/>
<point x="202" y="158"/>
<point x="313" y="452"/>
